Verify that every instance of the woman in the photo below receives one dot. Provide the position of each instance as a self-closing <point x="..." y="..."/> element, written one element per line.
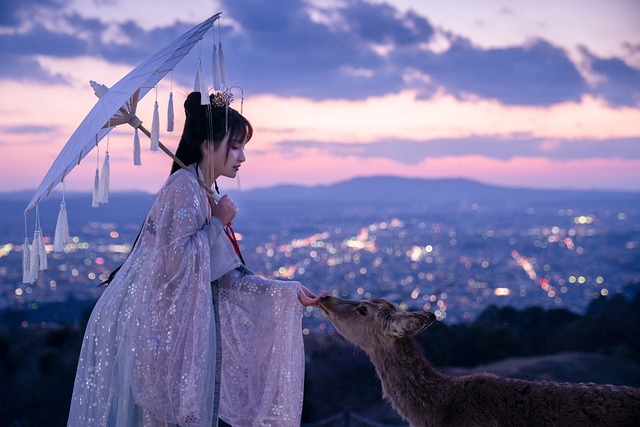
<point x="184" y="333"/>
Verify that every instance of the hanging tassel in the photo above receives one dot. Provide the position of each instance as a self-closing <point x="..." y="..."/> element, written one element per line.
<point x="95" y="202"/>
<point x="228" y="230"/>
<point x="170" y="113"/>
<point x="35" y="260"/>
<point x="42" y="251"/>
<point x="204" y="92"/>
<point x="155" y="129"/>
<point x="104" y="180"/>
<point x="222" y="66"/>
<point x="215" y="67"/>
<point x="196" y="83"/>
<point x="136" y="149"/>
<point x="26" y="262"/>
<point x="61" y="236"/>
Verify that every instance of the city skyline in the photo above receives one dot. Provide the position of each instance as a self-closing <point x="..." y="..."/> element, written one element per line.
<point x="454" y="255"/>
<point x="540" y="96"/>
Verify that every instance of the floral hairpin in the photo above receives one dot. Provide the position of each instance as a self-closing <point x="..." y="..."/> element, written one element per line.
<point x="222" y="98"/>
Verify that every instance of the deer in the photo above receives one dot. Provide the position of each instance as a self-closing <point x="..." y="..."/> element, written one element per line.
<point x="424" y="397"/>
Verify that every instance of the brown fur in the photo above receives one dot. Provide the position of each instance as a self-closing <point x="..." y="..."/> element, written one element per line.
<point x="426" y="398"/>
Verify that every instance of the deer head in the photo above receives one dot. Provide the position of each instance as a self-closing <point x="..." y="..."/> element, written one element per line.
<point x="374" y="322"/>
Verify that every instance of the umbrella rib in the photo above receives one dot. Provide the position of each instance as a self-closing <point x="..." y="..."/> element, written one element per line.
<point x="64" y="174"/>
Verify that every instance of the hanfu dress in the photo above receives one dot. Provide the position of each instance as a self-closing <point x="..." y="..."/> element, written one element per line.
<point x="183" y="335"/>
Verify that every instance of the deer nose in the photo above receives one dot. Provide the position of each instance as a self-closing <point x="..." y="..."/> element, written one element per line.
<point x="325" y="298"/>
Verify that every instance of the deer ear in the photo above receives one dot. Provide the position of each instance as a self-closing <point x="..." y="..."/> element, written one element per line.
<point x="411" y="323"/>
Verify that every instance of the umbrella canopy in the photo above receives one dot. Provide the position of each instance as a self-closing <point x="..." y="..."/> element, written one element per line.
<point x="117" y="106"/>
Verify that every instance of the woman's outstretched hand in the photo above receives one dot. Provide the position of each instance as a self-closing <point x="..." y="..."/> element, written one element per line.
<point x="225" y="209"/>
<point x="308" y="298"/>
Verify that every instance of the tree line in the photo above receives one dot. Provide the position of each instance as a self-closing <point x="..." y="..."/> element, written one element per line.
<point x="37" y="366"/>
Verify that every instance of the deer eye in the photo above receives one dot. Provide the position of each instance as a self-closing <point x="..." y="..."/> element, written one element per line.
<point x="363" y="310"/>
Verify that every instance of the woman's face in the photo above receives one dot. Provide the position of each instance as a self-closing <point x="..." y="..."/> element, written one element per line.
<point x="229" y="165"/>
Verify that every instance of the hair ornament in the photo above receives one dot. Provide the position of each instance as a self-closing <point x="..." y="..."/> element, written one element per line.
<point x="221" y="99"/>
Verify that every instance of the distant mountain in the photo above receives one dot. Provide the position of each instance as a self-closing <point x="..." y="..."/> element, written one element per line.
<point x="385" y="187"/>
<point x="436" y="192"/>
<point x="380" y="188"/>
<point x="358" y="192"/>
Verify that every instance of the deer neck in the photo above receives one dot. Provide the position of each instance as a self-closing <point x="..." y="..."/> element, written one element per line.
<point x="402" y="357"/>
<point x="408" y="379"/>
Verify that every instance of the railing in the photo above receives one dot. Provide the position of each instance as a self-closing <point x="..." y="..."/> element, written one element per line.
<point x="346" y="418"/>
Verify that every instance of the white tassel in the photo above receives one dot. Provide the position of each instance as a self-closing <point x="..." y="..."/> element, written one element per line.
<point x="26" y="262"/>
<point x="104" y="180"/>
<point x="215" y="67"/>
<point x="61" y="236"/>
<point x="204" y="92"/>
<point x="42" y="251"/>
<point x="170" y="113"/>
<point x="222" y="66"/>
<point x="196" y="83"/>
<point x="95" y="202"/>
<point x="155" y="129"/>
<point x="35" y="258"/>
<point x="136" y="149"/>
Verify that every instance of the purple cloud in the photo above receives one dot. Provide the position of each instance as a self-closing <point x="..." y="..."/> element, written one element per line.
<point x="351" y="50"/>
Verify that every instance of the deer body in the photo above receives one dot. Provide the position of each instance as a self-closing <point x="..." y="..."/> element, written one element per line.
<point x="426" y="398"/>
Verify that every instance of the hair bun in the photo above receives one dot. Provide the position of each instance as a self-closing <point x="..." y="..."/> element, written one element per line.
<point x="192" y="106"/>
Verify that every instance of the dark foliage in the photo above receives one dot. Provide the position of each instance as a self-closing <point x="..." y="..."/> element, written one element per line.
<point x="37" y="366"/>
<point x="607" y="327"/>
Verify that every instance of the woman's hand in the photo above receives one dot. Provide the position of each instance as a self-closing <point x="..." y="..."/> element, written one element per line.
<point x="308" y="298"/>
<point x="225" y="209"/>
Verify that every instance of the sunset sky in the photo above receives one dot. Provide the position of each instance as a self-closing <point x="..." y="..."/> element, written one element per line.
<point x="542" y="94"/>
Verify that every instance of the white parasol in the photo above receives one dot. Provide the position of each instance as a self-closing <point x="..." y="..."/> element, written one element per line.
<point x="117" y="106"/>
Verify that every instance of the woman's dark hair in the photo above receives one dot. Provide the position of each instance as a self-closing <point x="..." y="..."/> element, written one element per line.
<point x="208" y="123"/>
<point x="204" y="123"/>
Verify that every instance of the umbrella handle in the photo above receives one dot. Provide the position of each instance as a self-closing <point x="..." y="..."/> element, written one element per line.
<point x="168" y="152"/>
